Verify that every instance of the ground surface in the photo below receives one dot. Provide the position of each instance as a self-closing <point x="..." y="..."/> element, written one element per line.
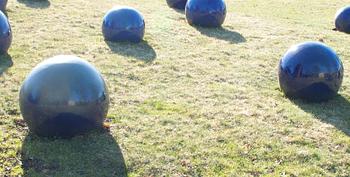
<point x="187" y="101"/>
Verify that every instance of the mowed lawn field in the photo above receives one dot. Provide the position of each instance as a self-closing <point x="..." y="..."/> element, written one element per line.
<point x="187" y="101"/>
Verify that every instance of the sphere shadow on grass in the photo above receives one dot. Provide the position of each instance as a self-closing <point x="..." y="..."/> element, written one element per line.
<point x="37" y="4"/>
<point x="141" y="51"/>
<point x="180" y="11"/>
<point x="222" y="34"/>
<point x="94" y="154"/>
<point x="335" y="111"/>
<point x="5" y="63"/>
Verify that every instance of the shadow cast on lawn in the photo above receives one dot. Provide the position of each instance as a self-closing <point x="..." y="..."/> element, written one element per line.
<point x="141" y="51"/>
<point x="95" y="154"/>
<point x="180" y="11"/>
<point x="5" y="63"/>
<point x="336" y="112"/>
<point x="37" y="4"/>
<point x="222" y="34"/>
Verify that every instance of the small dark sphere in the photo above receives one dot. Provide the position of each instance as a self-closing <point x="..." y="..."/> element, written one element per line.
<point x="177" y="4"/>
<point x="123" y="24"/>
<point x="3" y="4"/>
<point x="206" y="13"/>
<point x="63" y="96"/>
<point x="311" y="71"/>
<point x="342" y="19"/>
<point x="5" y="34"/>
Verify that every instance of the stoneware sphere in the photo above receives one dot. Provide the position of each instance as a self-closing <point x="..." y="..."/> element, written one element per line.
<point x="177" y="4"/>
<point x="123" y="24"/>
<point x="342" y="19"/>
<point x="206" y="13"/>
<point x="5" y="34"/>
<point x="63" y="96"/>
<point x="3" y="4"/>
<point x="311" y="71"/>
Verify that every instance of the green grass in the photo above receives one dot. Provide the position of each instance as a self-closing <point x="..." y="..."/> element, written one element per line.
<point x="186" y="101"/>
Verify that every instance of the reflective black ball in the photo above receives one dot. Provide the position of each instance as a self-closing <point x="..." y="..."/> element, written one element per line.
<point x="311" y="71"/>
<point x="3" y="4"/>
<point x="206" y="13"/>
<point x="123" y="24"/>
<point x="63" y="96"/>
<point x="177" y="4"/>
<point x="342" y="19"/>
<point x="5" y="34"/>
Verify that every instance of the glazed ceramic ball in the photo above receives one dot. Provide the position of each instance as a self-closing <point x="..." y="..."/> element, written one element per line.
<point x="206" y="13"/>
<point x="5" y="34"/>
<point x="177" y="4"/>
<point x="342" y="19"/>
<point x="63" y="96"/>
<point x="311" y="71"/>
<point x="123" y="24"/>
<point x="3" y="4"/>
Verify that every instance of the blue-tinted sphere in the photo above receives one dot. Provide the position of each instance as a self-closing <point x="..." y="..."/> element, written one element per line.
<point x="206" y="13"/>
<point x="63" y="96"/>
<point x="3" y="4"/>
<point x="123" y="24"/>
<point x="311" y="71"/>
<point x="342" y="19"/>
<point x="177" y="4"/>
<point x="5" y="34"/>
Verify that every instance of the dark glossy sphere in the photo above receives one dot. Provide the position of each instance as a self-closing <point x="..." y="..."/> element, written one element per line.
<point x="123" y="24"/>
<point x="177" y="4"/>
<point x="5" y="34"/>
<point x="310" y="71"/>
<point x="206" y="13"/>
<point x="63" y="96"/>
<point x="3" y="4"/>
<point x="342" y="19"/>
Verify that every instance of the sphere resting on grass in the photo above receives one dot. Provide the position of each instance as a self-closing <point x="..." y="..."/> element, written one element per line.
<point x="3" y="4"/>
<point x="177" y="4"/>
<point x="5" y="34"/>
<point x="311" y="71"/>
<point x="123" y="24"/>
<point x="62" y="97"/>
<point x="206" y="13"/>
<point x="342" y="20"/>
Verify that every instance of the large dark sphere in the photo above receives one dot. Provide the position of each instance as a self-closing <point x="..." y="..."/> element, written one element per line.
<point x="3" y="4"/>
<point x="342" y="19"/>
<point x="5" y="34"/>
<point x="64" y="96"/>
<point x="206" y="13"/>
<point x="311" y="71"/>
<point x="177" y="4"/>
<point x="123" y="24"/>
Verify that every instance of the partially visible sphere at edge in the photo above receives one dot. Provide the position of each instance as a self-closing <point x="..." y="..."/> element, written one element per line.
<point x="177" y="4"/>
<point x="5" y="34"/>
<point x="3" y="4"/>
<point x="342" y="19"/>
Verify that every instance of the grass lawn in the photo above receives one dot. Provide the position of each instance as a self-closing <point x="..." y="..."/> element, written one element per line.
<point x="185" y="102"/>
